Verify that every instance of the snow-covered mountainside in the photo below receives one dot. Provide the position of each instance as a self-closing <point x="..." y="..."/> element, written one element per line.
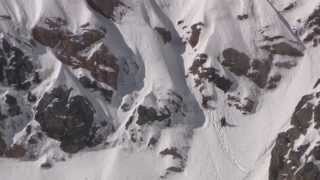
<point x="160" y="89"/>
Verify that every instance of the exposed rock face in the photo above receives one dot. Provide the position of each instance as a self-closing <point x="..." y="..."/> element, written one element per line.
<point x="245" y="105"/>
<point x="16" y="151"/>
<point x="165" y="34"/>
<point x="195" y="34"/>
<point x="290" y="6"/>
<point x="291" y="160"/>
<point x="14" y="108"/>
<point x="16" y="69"/>
<point x="69" y="49"/>
<point x="18" y="74"/>
<point x="259" y="70"/>
<point x="3" y="147"/>
<point x="166" y="113"/>
<point x="235" y="61"/>
<point x="243" y="17"/>
<point x="66" y="118"/>
<point x="241" y="65"/>
<point x="208" y="74"/>
<point x="283" y="48"/>
<point x="95" y="86"/>
<point x="149" y="115"/>
<point x="105" y="7"/>
<point x="313" y="25"/>
<point x="172" y="151"/>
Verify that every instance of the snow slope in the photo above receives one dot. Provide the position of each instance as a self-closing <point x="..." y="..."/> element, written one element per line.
<point x="157" y="89"/>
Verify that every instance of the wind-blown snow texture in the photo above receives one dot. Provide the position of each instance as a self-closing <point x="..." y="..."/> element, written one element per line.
<point x="159" y="89"/>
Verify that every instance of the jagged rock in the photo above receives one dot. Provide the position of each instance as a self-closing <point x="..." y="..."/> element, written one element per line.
<point x="195" y="34"/>
<point x="14" y="108"/>
<point x="287" y="160"/>
<point x="152" y="141"/>
<point x="260" y="71"/>
<point x="290" y="6"/>
<point x="148" y="115"/>
<point x="175" y="169"/>
<point x="310" y="171"/>
<point x="3" y="146"/>
<point x="235" y="61"/>
<point x="68" y="47"/>
<point x="283" y="48"/>
<point x="15" y="67"/>
<point x="66" y="118"/>
<point x="243" y="17"/>
<point x="46" y="165"/>
<point x="165" y="34"/>
<point x="171" y="151"/>
<point x="206" y="100"/>
<point x="286" y="64"/>
<point x="16" y="151"/>
<point x="93" y="85"/>
<point x="272" y="38"/>
<point x="245" y="105"/>
<point x="209" y="74"/>
<point x="31" y="98"/>
<point x="273" y="81"/>
<point x="5" y="17"/>
<point x="301" y="118"/>
<point x="313" y="23"/>
<point x="129" y="122"/>
<point x="105" y="7"/>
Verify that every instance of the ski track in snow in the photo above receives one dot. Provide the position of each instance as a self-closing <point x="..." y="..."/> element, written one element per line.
<point x="223" y="143"/>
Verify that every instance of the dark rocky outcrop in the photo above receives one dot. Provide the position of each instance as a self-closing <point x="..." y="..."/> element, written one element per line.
<point x="290" y="6"/>
<point x="15" y="151"/>
<point x="195" y="34"/>
<point x="290" y="160"/>
<point x="147" y="115"/>
<point x="5" y="17"/>
<point x="105" y="7"/>
<point x="177" y="157"/>
<point x="208" y="74"/>
<point x="66" y="118"/>
<point x="260" y="71"/>
<point x="68" y="47"/>
<point x="206" y="100"/>
<point x="243" y="16"/>
<point x="46" y="165"/>
<point x="16" y="69"/>
<point x="94" y="86"/>
<point x="283" y="48"/>
<point x="309" y="172"/>
<point x="165" y="34"/>
<point x="12" y="103"/>
<point x="316" y="84"/>
<point x="3" y="146"/>
<point x="237" y="62"/>
<point x="274" y="81"/>
<point x="175" y="169"/>
<point x="245" y="105"/>
<point x="171" y="151"/>
<point x="272" y="38"/>
<point x="241" y="64"/>
<point x="152" y="142"/>
<point x="313" y="25"/>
